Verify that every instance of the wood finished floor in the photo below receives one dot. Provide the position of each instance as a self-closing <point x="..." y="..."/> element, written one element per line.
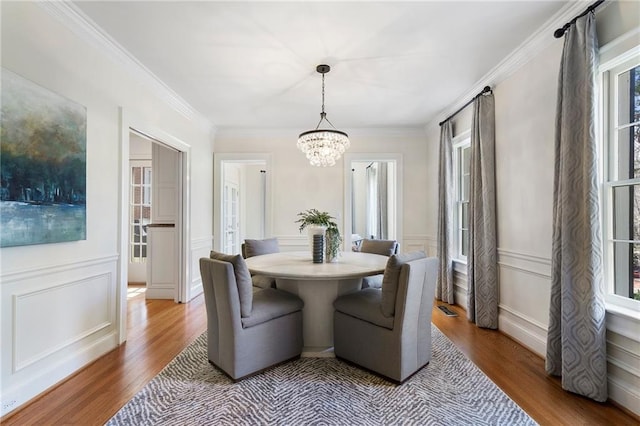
<point x="159" y="329"/>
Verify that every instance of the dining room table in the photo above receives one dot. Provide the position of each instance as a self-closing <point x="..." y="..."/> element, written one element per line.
<point x="318" y="285"/>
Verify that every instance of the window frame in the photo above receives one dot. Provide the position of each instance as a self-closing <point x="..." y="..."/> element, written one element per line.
<point x="458" y="144"/>
<point x="608" y="116"/>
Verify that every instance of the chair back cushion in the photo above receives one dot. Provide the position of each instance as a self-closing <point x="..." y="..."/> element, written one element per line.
<point x="243" y="279"/>
<point x="383" y="247"/>
<point x="260" y="247"/>
<point x="390" y="280"/>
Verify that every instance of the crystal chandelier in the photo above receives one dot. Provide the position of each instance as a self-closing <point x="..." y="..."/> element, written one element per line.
<point x="323" y="146"/>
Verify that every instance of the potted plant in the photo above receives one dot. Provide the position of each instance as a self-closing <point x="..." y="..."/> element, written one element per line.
<point x="321" y="222"/>
<point x="333" y="241"/>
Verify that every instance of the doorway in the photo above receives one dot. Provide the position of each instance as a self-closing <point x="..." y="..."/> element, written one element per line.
<point x="241" y="200"/>
<point x="131" y="129"/>
<point x="373" y="196"/>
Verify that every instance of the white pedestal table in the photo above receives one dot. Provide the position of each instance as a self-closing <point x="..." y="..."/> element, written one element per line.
<point x="318" y="285"/>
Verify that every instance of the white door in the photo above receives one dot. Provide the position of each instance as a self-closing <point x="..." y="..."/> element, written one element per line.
<point x="231" y="218"/>
<point x="164" y="266"/>
<point x="139" y="219"/>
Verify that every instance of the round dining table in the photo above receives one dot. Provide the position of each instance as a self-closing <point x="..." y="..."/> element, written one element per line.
<point x="318" y="285"/>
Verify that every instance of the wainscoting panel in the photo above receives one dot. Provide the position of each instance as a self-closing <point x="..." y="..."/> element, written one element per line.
<point x="60" y="316"/>
<point x="294" y="242"/>
<point x="55" y="320"/>
<point x="419" y="242"/>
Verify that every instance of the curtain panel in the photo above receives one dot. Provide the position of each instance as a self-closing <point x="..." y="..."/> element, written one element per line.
<point x="482" y="260"/>
<point x="444" y="285"/>
<point x="576" y="340"/>
<point x="381" y="186"/>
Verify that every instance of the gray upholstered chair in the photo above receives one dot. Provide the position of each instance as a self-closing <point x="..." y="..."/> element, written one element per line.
<point x="252" y="248"/>
<point x="382" y="247"/>
<point x="247" y="331"/>
<point x="388" y="331"/>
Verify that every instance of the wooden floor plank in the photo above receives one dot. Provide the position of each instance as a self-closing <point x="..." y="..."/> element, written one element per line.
<point x="159" y="329"/>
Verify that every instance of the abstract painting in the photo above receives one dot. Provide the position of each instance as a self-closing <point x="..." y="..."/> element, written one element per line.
<point x="43" y="165"/>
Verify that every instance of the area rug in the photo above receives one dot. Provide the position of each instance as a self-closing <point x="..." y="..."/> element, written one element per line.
<point x="450" y="390"/>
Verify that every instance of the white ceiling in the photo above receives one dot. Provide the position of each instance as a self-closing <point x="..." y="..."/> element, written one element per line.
<point x="252" y="64"/>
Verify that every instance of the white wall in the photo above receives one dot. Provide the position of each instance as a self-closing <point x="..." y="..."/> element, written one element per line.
<point x="298" y="186"/>
<point x="60" y="302"/>
<point x="525" y="104"/>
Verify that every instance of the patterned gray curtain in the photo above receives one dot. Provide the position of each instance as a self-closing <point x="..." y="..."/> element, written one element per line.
<point x="576" y="341"/>
<point x="444" y="286"/>
<point x="482" y="261"/>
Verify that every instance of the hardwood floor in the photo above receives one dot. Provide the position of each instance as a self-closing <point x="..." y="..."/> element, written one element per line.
<point x="160" y="329"/>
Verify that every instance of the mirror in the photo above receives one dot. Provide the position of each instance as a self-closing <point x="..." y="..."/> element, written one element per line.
<point x="240" y="200"/>
<point x="372" y="197"/>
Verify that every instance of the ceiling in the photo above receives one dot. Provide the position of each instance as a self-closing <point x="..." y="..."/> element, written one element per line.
<point x="252" y="64"/>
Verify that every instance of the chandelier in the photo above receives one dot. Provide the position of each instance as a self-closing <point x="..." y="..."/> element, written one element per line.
<point x="323" y="146"/>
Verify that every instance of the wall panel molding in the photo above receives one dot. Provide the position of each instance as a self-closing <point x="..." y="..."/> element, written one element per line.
<point x="524" y="262"/>
<point x="80" y="323"/>
<point x="46" y="270"/>
<point x="55" y="320"/>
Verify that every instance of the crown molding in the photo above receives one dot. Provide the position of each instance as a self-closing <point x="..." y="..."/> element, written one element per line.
<point x="85" y="28"/>
<point x="529" y="49"/>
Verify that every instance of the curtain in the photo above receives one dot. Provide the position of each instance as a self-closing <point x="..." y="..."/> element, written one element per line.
<point x="482" y="262"/>
<point x="381" y="187"/>
<point x="444" y="285"/>
<point x="372" y="202"/>
<point x="576" y="341"/>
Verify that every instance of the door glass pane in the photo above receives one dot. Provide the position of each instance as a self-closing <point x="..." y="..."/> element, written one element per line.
<point x="140" y="211"/>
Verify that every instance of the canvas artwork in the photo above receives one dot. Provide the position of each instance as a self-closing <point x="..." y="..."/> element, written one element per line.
<point x="42" y="165"/>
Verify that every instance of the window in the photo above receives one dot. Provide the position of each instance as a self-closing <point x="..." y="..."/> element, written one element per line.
<point x="621" y="131"/>
<point x="461" y="179"/>
<point x="140" y="211"/>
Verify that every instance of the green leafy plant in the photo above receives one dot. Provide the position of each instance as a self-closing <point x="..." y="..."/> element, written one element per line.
<point x="332" y="234"/>
<point x="315" y="217"/>
<point x="333" y="238"/>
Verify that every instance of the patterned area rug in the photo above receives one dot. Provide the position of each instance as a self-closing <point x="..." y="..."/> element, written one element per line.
<point x="450" y="390"/>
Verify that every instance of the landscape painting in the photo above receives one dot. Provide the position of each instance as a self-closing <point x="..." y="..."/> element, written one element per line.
<point x="43" y="165"/>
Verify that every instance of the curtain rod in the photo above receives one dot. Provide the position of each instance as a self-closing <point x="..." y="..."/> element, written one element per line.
<point x="560" y="31"/>
<point x="486" y="89"/>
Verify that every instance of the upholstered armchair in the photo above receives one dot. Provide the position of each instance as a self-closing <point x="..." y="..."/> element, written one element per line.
<point x="388" y="330"/>
<point x="382" y="247"/>
<point x="252" y="248"/>
<point x="247" y="331"/>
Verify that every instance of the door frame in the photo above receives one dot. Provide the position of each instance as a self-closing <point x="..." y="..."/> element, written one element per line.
<point x="218" y="181"/>
<point x="128" y="124"/>
<point x="348" y="188"/>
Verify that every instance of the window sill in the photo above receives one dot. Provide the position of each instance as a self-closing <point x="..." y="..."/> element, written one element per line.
<point x="622" y="311"/>
<point x="460" y="266"/>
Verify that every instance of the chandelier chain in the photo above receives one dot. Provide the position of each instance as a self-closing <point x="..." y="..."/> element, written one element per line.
<point x="323" y="113"/>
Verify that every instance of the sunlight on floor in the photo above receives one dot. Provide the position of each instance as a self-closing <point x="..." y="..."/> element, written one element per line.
<point x="133" y="291"/>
